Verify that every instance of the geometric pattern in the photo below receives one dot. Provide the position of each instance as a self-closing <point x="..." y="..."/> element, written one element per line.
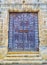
<point x="23" y="31"/>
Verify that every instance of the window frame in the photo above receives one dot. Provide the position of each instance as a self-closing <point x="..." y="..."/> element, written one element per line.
<point x="32" y="11"/>
<point x="37" y="49"/>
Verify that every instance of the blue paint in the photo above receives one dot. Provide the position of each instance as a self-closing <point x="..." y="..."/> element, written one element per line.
<point x="23" y="41"/>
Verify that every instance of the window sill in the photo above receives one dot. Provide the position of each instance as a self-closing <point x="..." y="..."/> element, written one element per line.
<point x="24" y="52"/>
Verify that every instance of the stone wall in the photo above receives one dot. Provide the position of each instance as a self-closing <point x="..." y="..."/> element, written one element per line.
<point x="26" y="5"/>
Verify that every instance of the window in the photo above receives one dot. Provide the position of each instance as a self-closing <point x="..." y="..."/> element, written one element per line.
<point x="23" y="31"/>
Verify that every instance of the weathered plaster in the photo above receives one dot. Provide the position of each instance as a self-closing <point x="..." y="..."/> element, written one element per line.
<point x="41" y="22"/>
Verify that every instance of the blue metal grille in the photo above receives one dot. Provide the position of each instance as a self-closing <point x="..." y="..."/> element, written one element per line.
<point x="23" y="32"/>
